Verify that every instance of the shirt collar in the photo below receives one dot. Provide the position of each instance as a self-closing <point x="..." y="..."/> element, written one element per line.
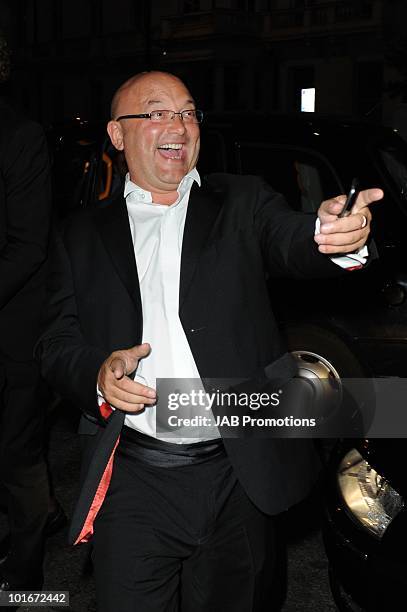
<point x="145" y="196"/>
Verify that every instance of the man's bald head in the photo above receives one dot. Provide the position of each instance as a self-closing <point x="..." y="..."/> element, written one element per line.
<point x="131" y="85"/>
<point x="159" y="154"/>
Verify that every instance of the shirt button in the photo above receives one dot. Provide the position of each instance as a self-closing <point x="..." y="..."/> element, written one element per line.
<point x="142" y="196"/>
<point x="196" y="329"/>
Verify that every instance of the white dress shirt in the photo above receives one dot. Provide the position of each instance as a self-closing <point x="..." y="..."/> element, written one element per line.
<point x="157" y="232"/>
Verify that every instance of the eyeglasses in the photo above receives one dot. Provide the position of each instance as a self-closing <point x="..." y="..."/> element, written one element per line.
<point x="161" y="116"/>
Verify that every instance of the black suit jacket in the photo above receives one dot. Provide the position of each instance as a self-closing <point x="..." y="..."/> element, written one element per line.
<point x="24" y="226"/>
<point x="237" y="229"/>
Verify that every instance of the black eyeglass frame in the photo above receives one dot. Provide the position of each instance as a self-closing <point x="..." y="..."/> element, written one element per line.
<point x="199" y="115"/>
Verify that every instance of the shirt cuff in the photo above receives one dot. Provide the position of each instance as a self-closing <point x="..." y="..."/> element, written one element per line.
<point x="105" y="409"/>
<point x="350" y="261"/>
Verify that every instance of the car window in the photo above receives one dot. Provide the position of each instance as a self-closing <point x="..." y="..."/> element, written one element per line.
<point x="212" y="156"/>
<point x="305" y="177"/>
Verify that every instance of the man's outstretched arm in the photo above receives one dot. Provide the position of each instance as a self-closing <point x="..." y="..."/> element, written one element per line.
<point x="287" y="238"/>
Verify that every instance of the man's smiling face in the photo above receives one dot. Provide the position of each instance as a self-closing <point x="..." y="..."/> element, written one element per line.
<point x="158" y="155"/>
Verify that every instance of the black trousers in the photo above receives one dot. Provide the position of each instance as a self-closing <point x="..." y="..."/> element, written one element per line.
<point x="181" y="539"/>
<point x="23" y="470"/>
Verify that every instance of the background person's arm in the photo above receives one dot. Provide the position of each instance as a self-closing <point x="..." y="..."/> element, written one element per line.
<point x="26" y="182"/>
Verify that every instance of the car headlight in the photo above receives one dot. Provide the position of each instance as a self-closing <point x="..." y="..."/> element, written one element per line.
<point x="368" y="497"/>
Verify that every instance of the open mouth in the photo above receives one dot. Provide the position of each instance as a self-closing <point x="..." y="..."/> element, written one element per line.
<point x="171" y="150"/>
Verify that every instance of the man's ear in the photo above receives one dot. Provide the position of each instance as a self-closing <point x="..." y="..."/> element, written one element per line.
<point x="114" y="129"/>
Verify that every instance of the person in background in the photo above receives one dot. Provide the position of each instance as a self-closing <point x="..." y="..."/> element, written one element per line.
<point x="25" y="219"/>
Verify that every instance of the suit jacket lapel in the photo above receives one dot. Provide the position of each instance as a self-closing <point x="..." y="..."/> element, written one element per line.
<point x="113" y="224"/>
<point x="203" y="209"/>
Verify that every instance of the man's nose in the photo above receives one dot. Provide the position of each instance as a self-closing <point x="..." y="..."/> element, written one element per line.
<point x="177" y="125"/>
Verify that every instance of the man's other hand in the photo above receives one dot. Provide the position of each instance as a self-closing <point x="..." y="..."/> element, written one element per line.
<point x="115" y="385"/>
<point x="347" y="234"/>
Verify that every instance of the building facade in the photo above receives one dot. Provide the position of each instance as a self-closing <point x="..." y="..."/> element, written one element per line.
<point x="69" y="56"/>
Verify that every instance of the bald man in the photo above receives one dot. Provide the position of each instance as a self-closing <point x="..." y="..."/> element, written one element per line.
<point x="168" y="281"/>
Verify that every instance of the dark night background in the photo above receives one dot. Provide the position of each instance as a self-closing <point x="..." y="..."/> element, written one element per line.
<point x="68" y="57"/>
